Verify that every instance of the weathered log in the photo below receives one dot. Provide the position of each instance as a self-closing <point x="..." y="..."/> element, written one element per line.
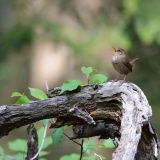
<point x="122" y="105"/>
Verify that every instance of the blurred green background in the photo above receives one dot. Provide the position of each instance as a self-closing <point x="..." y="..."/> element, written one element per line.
<point x="49" y="40"/>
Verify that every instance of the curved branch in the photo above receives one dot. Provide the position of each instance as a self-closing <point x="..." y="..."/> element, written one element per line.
<point x="122" y="105"/>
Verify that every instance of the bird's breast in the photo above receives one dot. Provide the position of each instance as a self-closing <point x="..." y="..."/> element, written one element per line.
<point x="117" y="59"/>
<point x="121" y="64"/>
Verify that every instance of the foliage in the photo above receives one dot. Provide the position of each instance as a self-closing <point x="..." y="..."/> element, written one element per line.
<point x="70" y="85"/>
<point x="90" y="158"/>
<point x="1" y="151"/>
<point x="23" y="99"/>
<point x="95" y="78"/>
<point x="18" y="156"/>
<point x="37" y="93"/>
<point x="87" y="71"/>
<point x="89" y="150"/>
<point x="57" y="135"/>
<point x="17" y="145"/>
<point x="16" y="38"/>
<point x="133" y="25"/>
<point x="89" y="145"/>
<point x="99" y="78"/>
<point x="72" y="156"/>
<point x="48" y="140"/>
<point x="107" y="144"/>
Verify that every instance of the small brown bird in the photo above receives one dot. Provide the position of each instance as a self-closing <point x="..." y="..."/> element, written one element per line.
<point x="121" y="62"/>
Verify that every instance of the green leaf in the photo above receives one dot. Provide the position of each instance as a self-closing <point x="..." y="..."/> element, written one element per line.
<point x="19" y="156"/>
<point x="18" y="145"/>
<point x="90" y="158"/>
<point x="1" y="151"/>
<point x="47" y="142"/>
<point x="107" y="144"/>
<point x="43" y="153"/>
<point x="16" y="94"/>
<point x="2" y="157"/>
<point x="40" y="132"/>
<point x="99" y="78"/>
<point x="42" y="159"/>
<point x="57" y="135"/>
<point x="37" y="93"/>
<point x="23" y="100"/>
<point x="87" y="70"/>
<point x="73" y="156"/>
<point x="70" y="85"/>
<point x="89" y="145"/>
<point x="8" y="158"/>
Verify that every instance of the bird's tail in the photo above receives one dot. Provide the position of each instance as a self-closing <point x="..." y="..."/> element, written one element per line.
<point x="133" y="62"/>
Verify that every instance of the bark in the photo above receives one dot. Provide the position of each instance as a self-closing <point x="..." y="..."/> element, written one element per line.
<point x="114" y="109"/>
<point x="32" y="143"/>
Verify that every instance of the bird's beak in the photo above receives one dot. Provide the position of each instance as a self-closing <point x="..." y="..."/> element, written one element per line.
<point x="113" y="50"/>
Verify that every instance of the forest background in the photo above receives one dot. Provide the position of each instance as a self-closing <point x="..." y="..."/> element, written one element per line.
<point x="49" y="40"/>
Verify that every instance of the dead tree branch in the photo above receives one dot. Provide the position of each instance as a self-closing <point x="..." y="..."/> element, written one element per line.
<point x="119" y="111"/>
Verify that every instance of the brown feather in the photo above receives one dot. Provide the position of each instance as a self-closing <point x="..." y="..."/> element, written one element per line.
<point x="121" y="62"/>
<point x="134" y="61"/>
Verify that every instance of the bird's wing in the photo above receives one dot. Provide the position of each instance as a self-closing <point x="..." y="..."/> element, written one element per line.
<point x="126" y="63"/>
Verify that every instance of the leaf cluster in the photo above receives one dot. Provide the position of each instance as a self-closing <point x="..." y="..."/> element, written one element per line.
<point x="70" y="85"/>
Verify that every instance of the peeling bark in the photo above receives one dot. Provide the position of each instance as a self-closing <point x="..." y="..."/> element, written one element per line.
<point x="122" y="109"/>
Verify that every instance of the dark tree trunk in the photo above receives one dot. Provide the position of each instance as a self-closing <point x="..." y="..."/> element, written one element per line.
<point x="32" y="142"/>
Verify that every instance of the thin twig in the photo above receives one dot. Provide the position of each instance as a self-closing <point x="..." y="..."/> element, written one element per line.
<point x="98" y="156"/>
<point x="72" y="139"/>
<point x="80" y="144"/>
<point x="81" y="154"/>
<point x="47" y="86"/>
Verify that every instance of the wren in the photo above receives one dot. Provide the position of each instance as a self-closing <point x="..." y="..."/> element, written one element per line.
<point x="121" y="63"/>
